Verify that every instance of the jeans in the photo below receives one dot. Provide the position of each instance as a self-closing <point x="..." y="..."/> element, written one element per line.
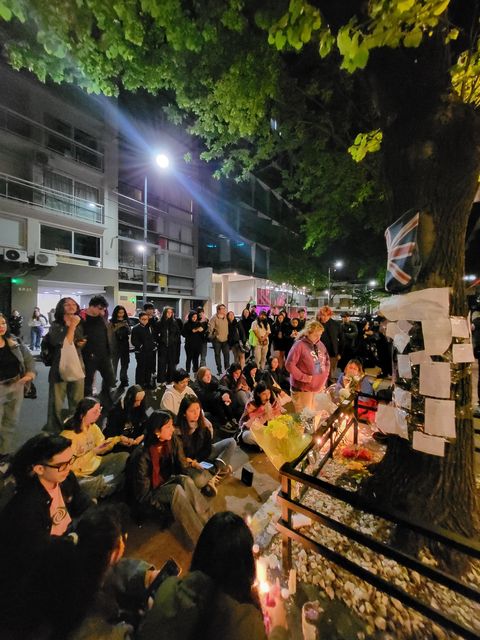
<point x="124" y="358"/>
<point x="11" y="398"/>
<point x="221" y="348"/>
<point x="109" y="476"/>
<point x="103" y="365"/>
<point x="261" y="352"/>
<point x="223" y="451"/>
<point x="302" y="399"/>
<point x="57" y="392"/>
<point x="193" y="354"/>
<point x="188" y="506"/>
<point x="35" y="337"/>
<point x="203" y="354"/>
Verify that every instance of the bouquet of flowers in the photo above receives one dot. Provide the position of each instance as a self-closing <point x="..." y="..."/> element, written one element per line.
<point x="350" y="385"/>
<point x="282" y="438"/>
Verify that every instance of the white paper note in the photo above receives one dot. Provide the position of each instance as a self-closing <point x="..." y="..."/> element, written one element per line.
<point x="389" y="419"/>
<point x="428" y="444"/>
<point x="440" y="417"/>
<point x="392" y="330"/>
<point x="405" y="325"/>
<point x="460" y="328"/>
<point x="435" y="379"/>
<point x="400" y="341"/>
<point x="403" y="398"/>
<point x="417" y="357"/>
<point x="463" y="352"/>
<point x="417" y="305"/>
<point x="404" y="368"/>
<point x="437" y="335"/>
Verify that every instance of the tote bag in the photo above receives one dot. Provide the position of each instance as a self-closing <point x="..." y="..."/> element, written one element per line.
<point x="70" y="368"/>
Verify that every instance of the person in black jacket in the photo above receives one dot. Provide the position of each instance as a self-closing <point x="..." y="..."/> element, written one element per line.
<point x="282" y="342"/>
<point x="157" y="479"/>
<point x="236" y="339"/>
<point x="168" y="331"/>
<point x="128" y="416"/>
<point x="143" y="339"/>
<point x="47" y="499"/>
<point x="120" y="343"/>
<point x="193" y="332"/>
<point x="332" y="338"/>
<point x="215" y="399"/>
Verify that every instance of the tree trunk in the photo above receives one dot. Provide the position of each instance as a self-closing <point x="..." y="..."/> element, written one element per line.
<point x="431" y="162"/>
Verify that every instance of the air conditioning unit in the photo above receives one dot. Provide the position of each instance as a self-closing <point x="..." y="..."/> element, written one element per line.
<point x="14" y="255"/>
<point x="46" y="259"/>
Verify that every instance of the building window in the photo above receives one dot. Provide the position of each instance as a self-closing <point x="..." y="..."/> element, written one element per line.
<point x="69" y="242"/>
<point x="87" y="150"/>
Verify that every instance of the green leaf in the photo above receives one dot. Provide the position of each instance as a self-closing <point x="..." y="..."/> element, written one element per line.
<point x="440" y="8"/>
<point x="413" y="38"/>
<point x="405" y="5"/>
<point x="360" y="59"/>
<point x="5" y="12"/>
<point x="280" y="40"/>
<point x="306" y="32"/>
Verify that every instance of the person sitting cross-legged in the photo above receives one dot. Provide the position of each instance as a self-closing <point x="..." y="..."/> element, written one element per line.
<point x="158" y="483"/>
<point x="216" y="400"/>
<point x="175" y="392"/>
<point x="262" y="407"/>
<point x="199" y="448"/>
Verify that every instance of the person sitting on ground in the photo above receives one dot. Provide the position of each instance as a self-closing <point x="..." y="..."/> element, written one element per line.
<point x="251" y="374"/>
<point x="197" y="439"/>
<point x="261" y="408"/>
<point x="47" y="499"/>
<point x="128" y="417"/>
<point x="353" y="380"/>
<point x="99" y="471"/>
<point x="276" y="377"/>
<point x="157" y="479"/>
<point x="217" y="598"/>
<point x="215" y="400"/>
<point x="234" y="381"/>
<point x="175" y="392"/>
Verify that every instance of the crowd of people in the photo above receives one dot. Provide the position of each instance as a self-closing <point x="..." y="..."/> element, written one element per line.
<point x="164" y="464"/>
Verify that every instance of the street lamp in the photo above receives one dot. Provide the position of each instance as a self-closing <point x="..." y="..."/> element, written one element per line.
<point x="338" y="264"/>
<point x="163" y="162"/>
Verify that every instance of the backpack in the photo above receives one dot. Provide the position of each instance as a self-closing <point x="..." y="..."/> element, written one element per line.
<point x="46" y="350"/>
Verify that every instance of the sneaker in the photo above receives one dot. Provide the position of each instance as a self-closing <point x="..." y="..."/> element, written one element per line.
<point x="230" y="427"/>
<point x="225" y="471"/>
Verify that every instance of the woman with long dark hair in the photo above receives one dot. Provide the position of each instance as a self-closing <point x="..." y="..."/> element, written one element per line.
<point x="215" y="400"/>
<point x="197" y="440"/>
<point x="120" y="344"/>
<point x="193" y="332"/>
<point x="37" y="324"/>
<point x="128" y="416"/>
<point x="17" y="369"/>
<point x="217" y="598"/>
<point x="157" y="479"/>
<point x="258" y="338"/>
<point x="168" y="331"/>
<point x="236" y="339"/>
<point x="235" y="382"/>
<point x="262" y="407"/>
<point x="281" y="340"/>
<point x="67" y="372"/>
<point x="99" y="471"/>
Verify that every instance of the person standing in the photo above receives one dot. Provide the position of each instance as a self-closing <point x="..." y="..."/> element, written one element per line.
<point x="15" y="322"/>
<point x="97" y="351"/>
<point x="281" y="331"/>
<point x="67" y="373"/>
<point x="202" y="318"/>
<point x="350" y="336"/>
<point x="258" y="337"/>
<point x="17" y="368"/>
<point x="168" y="332"/>
<point x="218" y="331"/>
<point x="302" y="319"/>
<point x="309" y="366"/>
<point x="332" y="338"/>
<point x="121" y="343"/>
<point x="193" y="333"/>
<point x="143" y="339"/>
<point x="236" y="339"/>
<point x="37" y="324"/>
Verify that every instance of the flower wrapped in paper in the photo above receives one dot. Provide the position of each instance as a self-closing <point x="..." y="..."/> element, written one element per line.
<point x="283" y="438"/>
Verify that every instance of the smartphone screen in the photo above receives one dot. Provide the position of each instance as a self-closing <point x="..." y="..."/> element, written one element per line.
<point x="170" y="568"/>
<point x="207" y="465"/>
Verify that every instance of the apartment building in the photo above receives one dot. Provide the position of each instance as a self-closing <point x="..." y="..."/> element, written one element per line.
<point x="58" y="195"/>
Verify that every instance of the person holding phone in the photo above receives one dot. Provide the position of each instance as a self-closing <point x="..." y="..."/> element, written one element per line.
<point x="99" y="471"/>
<point x="217" y="597"/>
<point x="157" y="479"/>
<point x="199" y="448"/>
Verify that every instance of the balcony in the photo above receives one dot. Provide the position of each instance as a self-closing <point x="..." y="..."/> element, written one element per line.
<point x="37" y="195"/>
<point x="49" y="138"/>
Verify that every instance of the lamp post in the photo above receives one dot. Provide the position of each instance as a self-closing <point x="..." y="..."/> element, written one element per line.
<point x="338" y="264"/>
<point x="163" y="162"/>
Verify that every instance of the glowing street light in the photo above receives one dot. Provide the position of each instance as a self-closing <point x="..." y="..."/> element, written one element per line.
<point x="338" y="264"/>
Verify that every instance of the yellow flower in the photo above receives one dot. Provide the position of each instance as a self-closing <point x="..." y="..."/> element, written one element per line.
<point x="279" y="430"/>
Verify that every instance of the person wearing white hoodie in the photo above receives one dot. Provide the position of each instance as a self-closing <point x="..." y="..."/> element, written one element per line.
<point x="175" y="392"/>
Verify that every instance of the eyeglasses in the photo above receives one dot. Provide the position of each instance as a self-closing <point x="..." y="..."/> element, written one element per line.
<point x="62" y="466"/>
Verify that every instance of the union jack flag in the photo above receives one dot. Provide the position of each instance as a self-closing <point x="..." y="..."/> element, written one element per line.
<point x="403" y="258"/>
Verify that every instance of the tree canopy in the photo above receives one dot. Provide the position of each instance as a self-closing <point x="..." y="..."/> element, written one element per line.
<point x="287" y="116"/>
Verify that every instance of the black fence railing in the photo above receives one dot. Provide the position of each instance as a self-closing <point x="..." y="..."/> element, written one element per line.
<point x="332" y="432"/>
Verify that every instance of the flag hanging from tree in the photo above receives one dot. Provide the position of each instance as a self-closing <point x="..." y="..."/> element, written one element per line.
<point x="403" y="257"/>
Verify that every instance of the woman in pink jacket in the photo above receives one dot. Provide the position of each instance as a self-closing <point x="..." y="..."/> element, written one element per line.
<point x="308" y="364"/>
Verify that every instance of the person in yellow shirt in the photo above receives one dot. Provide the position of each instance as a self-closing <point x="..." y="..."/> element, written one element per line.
<point x="99" y="471"/>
